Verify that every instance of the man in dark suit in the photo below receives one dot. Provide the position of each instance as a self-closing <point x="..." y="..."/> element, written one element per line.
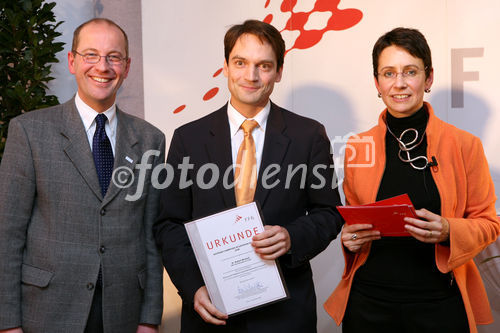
<point x="298" y="201"/>
<point x="77" y="253"/>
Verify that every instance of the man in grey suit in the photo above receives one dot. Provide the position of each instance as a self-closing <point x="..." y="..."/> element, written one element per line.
<point x="76" y="247"/>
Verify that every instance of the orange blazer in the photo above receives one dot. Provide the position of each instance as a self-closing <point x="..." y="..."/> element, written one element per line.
<point x="467" y="201"/>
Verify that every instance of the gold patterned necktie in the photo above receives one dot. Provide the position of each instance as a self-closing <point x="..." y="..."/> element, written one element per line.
<point x="245" y="173"/>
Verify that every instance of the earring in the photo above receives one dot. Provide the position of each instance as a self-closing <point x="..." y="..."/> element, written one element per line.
<point x="428" y="90"/>
<point x="379" y="95"/>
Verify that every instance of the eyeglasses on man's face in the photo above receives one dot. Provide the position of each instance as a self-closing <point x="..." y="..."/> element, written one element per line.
<point x="408" y="73"/>
<point x="94" y="58"/>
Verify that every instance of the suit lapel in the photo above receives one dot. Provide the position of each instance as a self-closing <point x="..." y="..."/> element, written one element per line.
<point x="126" y="154"/>
<point x="219" y="151"/>
<point x="275" y="148"/>
<point x="77" y="148"/>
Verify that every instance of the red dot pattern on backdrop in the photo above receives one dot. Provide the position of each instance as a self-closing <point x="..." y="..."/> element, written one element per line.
<point x="341" y="19"/>
<point x="217" y="72"/>
<point x="180" y="108"/>
<point x="210" y="94"/>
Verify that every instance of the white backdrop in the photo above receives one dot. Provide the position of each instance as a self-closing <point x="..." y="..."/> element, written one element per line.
<point x="329" y="79"/>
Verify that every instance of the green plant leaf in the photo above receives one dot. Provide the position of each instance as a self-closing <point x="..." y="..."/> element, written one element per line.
<point x="27" y="5"/>
<point x="27" y="51"/>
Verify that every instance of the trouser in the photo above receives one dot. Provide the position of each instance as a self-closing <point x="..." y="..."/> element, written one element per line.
<point x="94" y="321"/>
<point x="369" y="315"/>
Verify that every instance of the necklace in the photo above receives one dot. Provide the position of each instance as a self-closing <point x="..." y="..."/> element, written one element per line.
<point x="407" y="147"/>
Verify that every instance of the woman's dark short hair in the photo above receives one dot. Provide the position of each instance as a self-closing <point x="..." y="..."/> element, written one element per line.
<point x="411" y="40"/>
<point x="264" y="31"/>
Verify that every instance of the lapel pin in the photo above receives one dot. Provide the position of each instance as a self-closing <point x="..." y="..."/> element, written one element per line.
<point x="129" y="159"/>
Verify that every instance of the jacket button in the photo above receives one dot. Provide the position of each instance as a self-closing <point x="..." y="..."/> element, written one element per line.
<point x="102" y="249"/>
<point x="90" y="286"/>
<point x="103" y="212"/>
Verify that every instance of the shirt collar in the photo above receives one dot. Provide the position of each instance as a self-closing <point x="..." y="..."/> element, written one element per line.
<point x="236" y="118"/>
<point x="88" y="114"/>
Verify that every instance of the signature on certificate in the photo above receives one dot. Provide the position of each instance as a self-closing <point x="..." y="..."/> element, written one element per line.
<point x="251" y="289"/>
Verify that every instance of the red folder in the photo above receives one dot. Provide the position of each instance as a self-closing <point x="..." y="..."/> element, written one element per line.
<point x="386" y="216"/>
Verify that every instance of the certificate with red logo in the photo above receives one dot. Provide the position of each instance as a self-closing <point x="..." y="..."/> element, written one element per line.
<point x="386" y="216"/>
<point x="237" y="279"/>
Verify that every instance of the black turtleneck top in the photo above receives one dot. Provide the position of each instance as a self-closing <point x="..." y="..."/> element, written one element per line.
<point x="403" y="269"/>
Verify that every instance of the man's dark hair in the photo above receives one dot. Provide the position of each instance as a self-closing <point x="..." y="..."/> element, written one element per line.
<point x="411" y="40"/>
<point x="264" y="31"/>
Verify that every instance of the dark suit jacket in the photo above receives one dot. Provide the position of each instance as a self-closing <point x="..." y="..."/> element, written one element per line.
<point x="307" y="213"/>
<point x="56" y="229"/>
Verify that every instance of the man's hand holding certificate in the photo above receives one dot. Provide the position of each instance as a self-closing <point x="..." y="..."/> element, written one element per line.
<point x="272" y="243"/>
<point x="236" y="278"/>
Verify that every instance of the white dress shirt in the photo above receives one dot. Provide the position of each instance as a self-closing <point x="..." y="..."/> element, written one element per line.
<point x="259" y="133"/>
<point x="88" y="117"/>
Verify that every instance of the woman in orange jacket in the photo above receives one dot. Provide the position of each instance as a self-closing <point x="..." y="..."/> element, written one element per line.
<point x="426" y="282"/>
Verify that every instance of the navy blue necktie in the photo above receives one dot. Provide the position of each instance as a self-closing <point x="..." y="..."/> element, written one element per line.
<point x="103" y="153"/>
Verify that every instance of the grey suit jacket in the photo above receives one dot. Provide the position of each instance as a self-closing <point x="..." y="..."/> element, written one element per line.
<point x="56" y="229"/>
